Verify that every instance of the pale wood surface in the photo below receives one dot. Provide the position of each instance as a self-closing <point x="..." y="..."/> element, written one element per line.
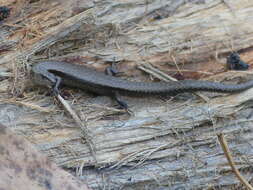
<point x="167" y="143"/>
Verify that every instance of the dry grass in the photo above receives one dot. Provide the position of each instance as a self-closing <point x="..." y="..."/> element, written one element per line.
<point x="166" y="142"/>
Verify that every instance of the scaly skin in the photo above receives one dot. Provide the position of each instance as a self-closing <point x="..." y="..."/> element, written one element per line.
<point x="49" y="72"/>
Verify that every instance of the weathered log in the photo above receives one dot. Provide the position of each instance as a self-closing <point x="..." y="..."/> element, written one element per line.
<point x="167" y="143"/>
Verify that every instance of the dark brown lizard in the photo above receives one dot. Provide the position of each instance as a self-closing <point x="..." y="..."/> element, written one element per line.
<point x="53" y="73"/>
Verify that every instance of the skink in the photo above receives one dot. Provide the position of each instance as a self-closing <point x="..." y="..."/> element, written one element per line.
<point x="53" y="73"/>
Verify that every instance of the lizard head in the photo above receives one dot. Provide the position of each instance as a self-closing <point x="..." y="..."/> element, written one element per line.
<point x="41" y="76"/>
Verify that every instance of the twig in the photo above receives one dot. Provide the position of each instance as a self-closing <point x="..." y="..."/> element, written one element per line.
<point x="231" y="162"/>
<point x="84" y="128"/>
<point x="175" y="61"/>
<point x="190" y="71"/>
<point x="156" y="72"/>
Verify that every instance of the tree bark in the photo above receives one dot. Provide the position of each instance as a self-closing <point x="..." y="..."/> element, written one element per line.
<point x="167" y="143"/>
